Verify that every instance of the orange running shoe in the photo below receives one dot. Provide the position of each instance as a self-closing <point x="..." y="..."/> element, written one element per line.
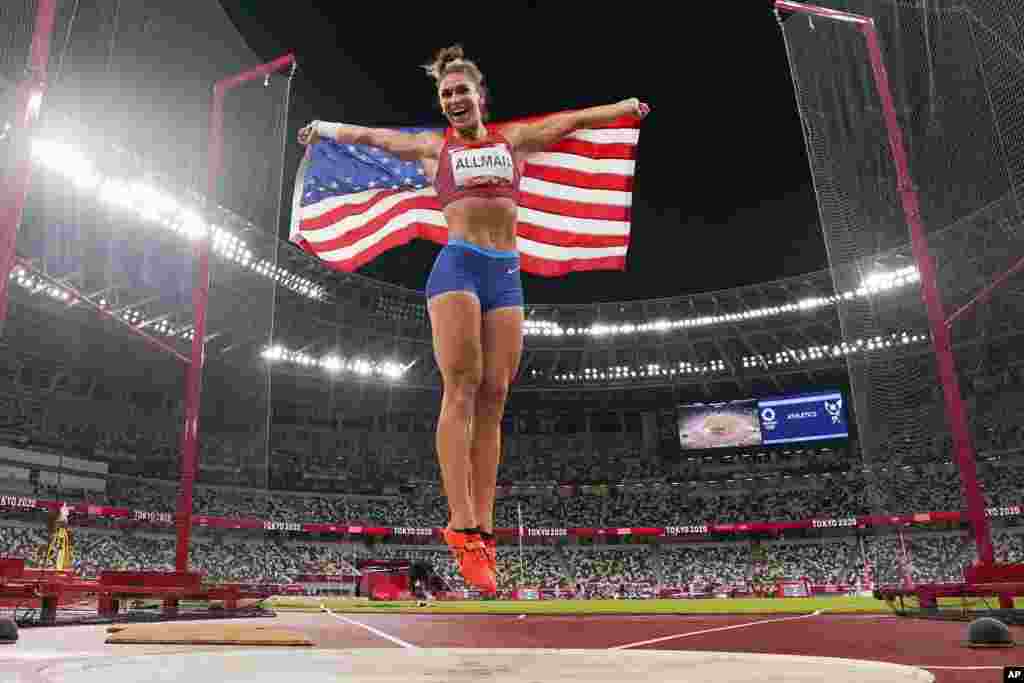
<point x="491" y="548"/>
<point x="474" y="564"/>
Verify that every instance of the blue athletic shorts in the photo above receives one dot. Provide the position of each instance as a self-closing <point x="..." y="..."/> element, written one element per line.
<point x="492" y="275"/>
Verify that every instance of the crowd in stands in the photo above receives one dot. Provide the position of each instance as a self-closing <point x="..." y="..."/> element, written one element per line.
<point x="76" y="414"/>
<point x="223" y="560"/>
<point x="612" y="567"/>
<point x="908" y="491"/>
<point x="717" y="564"/>
<point x="918" y="489"/>
<point x="552" y="477"/>
<point x="836" y="561"/>
<point x="594" y="571"/>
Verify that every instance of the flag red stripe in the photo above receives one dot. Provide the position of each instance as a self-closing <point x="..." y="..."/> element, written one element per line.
<point x="590" y="181"/>
<point x="305" y="246"/>
<point x="561" y="207"/>
<point x="621" y="122"/>
<point x="368" y="228"/>
<point x="395" y="239"/>
<point x="338" y="213"/>
<point x="538" y="233"/>
<point x="567" y="209"/>
<point x="595" y="150"/>
<point x="426" y="231"/>
<point x="571" y="209"/>
<point x="534" y="265"/>
<point x="551" y="268"/>
<point x="433" y="233"/>
<point x="559" y="238"/>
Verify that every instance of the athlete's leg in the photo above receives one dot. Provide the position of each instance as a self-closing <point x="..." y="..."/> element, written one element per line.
<point x="454" y="305"/>
<point x="502" y="343"/>
<point x="456" y="322"/>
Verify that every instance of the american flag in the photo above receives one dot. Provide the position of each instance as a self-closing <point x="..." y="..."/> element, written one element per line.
<point x="354" y="202"/>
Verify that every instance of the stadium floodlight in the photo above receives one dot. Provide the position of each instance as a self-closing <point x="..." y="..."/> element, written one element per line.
<point x="35" y="103"/>
<point x="273" y="353"/>
<point x="116" y="192"/>
<point x="778" y="358"/>
<point x="67" y="161"/>
<point x="811" y="302"/>
<point x="881" y="281"/>
<point x="391" y="370"/>
<point x="151" y="201"/>
<point x="332" y="363"/>
<point x="157" y="206"/>
<point x="192" y="225"/>
<point x="878" y="282"/>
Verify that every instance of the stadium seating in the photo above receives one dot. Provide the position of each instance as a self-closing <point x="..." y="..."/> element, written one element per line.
<point x="548" y="477"/>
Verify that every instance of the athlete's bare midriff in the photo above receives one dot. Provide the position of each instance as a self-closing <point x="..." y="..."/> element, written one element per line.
<point x="488" y="222"/>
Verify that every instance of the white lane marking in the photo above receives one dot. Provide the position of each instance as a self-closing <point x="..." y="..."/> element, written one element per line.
<point x="376" y="632"/>
<point x="714" y="630"/>
<point x="770" y="621"/>
<point x="46" y="654"/>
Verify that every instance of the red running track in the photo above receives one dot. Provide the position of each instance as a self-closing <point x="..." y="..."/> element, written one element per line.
<point x="928" y="644"/>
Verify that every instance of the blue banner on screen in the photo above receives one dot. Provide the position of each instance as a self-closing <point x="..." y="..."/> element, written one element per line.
<point x="814" y="417"/>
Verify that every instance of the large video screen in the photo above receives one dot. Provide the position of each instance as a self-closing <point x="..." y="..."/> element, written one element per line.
<point x="719" y="425"/>
<point x="793" y="419"/>
<point x="785" y="419"/>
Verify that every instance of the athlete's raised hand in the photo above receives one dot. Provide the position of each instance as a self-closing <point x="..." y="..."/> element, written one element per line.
<point x="308" y="135"/>
<point x="637" y="108"/>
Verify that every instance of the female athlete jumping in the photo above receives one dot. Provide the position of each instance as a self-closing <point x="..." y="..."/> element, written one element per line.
<point x="474" y="292"/>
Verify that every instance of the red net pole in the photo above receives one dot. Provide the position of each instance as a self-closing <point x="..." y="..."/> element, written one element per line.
<point x="16" y="180"/>
<point x="963" y="447"/>
<point x="955" y="414"/>
<point x="200" y="298"/>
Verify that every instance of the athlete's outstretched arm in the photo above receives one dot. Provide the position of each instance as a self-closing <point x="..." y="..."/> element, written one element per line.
<point x="405" y="146"/>
<point x="538" y="136"/>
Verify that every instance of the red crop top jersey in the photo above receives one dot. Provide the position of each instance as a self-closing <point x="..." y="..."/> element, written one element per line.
<point x="486" y="168"/>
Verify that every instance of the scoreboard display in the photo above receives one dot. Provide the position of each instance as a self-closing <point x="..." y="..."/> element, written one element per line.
<point x="755" y="422"/>
<point x="803" y="418"/>
<point x="719" y="425"/>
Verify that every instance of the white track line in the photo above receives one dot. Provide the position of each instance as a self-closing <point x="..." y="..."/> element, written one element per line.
<point x="45" y="654"/>
<point x="376" y="632"/>
<point x="775" y="621"/>
<point x="714" y="630"/>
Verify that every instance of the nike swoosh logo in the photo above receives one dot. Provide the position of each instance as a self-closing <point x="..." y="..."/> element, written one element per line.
<point x="512" y="270"/>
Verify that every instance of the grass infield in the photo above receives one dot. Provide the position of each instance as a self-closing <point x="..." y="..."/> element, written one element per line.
<point x="833" y="605"/>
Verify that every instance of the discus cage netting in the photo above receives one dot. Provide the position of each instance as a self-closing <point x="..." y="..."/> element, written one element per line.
<point x="913" y="116"/>
<point x="123" y="198"/>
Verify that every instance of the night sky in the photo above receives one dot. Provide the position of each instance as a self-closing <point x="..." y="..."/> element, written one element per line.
<point x="723" y="193"/>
